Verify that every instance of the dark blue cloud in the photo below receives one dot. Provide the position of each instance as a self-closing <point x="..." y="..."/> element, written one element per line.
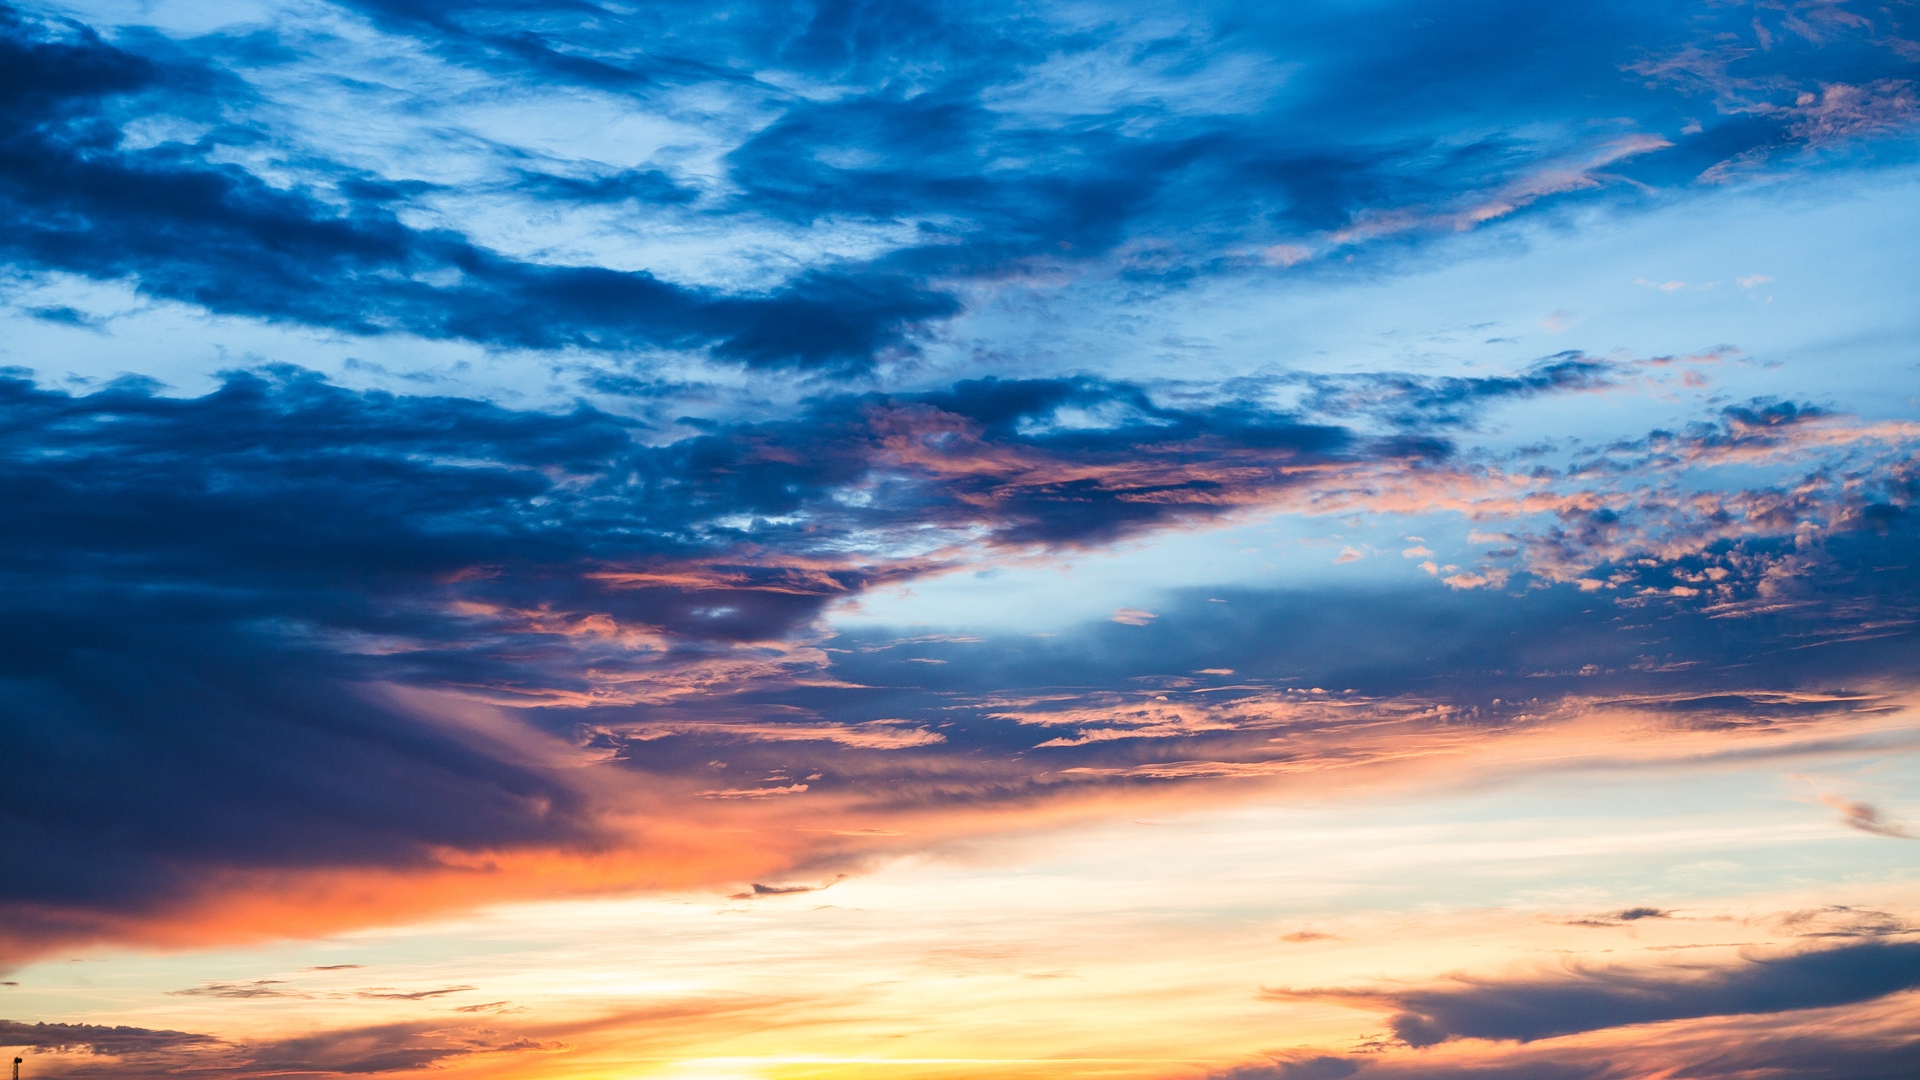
<point x="97" y="1038"/>
<point x="1488" y="661"/>
<point x="66" y="316"/>
<point x="131" y="1051"/>
<point x="196" y="587"/>
<point x="639" y="185"/>
<point x="1594" y="999"/>
<point x="280" y="495"/>
<point x="1604" y="998"/>
<point x="1396" y="112"/>
<point x="932" y="132"/>
<point x="216" y="235"/>
<point x="199" y="590"/>
<point x="1820" y="1056"/>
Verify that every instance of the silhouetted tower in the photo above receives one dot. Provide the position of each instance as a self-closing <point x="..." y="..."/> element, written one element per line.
<point x="16" y="1069"/>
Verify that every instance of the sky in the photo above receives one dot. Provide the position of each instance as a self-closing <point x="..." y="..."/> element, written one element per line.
<point x="927" y="540"/>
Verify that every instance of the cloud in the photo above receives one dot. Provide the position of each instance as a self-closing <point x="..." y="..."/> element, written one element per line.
<point x="1840" y="111"/>
<point x="98" y="1038"/>
<point x="1875" y="1041"/>
<point x="288" y="657"/>
<point x="219" y="606"/>
<point x="1867" y="818"/>
<point x="246" y="564"/>
<point x="1622" y="918"/>
<point x="1649" y="517"/>
<point x="1297" y="1067"/>
<point x="223" y="603"/>
<point x="924" y="199"/>
<point x="258" y="988"/>
<point x="189" y="229"/>
<point x="66" y="316"/>
<point x="870" y="735"/>
<point x="377" y="1049"/>
<point x="389" y="994"/>
<point x="758" y="890"/>
<point x="406" y="1047"/>
<point x="1592" y="999"/>
<point x="755" y="793"/>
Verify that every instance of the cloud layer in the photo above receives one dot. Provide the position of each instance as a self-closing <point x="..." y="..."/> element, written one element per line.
<point x="963" y="147"/>
<point x="714" y="329"/>
<point x="208" y="594"/>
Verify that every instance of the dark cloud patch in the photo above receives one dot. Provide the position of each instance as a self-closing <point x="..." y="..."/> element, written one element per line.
<point x="386" y="1048"/>
<point x="641" y="185"/>
<point x="1669" y="515"/>
<point x="1105" y="703"/>
<point x="568" y="42"/>
<point x="167" y="623"/>
<point x="216" y="235"/>
<point x="282" y="496"/>
<point x="758" y="890"/>
<point x="1594" y="999"/>
<point x="1737" y="1054"/>
<point x="376" y="1049"/>
<point x="258" y="988"/>
<point x="199" y="591"/>
<point x="1622" y="918"/>
<point x="1704" y="672"/>
<point x="143" y="779"/>
<point x="781" y="890"/>
<point x="1297" y="1067"/>
<point x="66" y="316"/>
<point x="98" y="1038"/>
<point x="1417" y="402"/>
<point x="1366" y="156"/>
<point x="1844" y="921"/>
<point x="359" y="1051"/>
<point x="198" y="588"/>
